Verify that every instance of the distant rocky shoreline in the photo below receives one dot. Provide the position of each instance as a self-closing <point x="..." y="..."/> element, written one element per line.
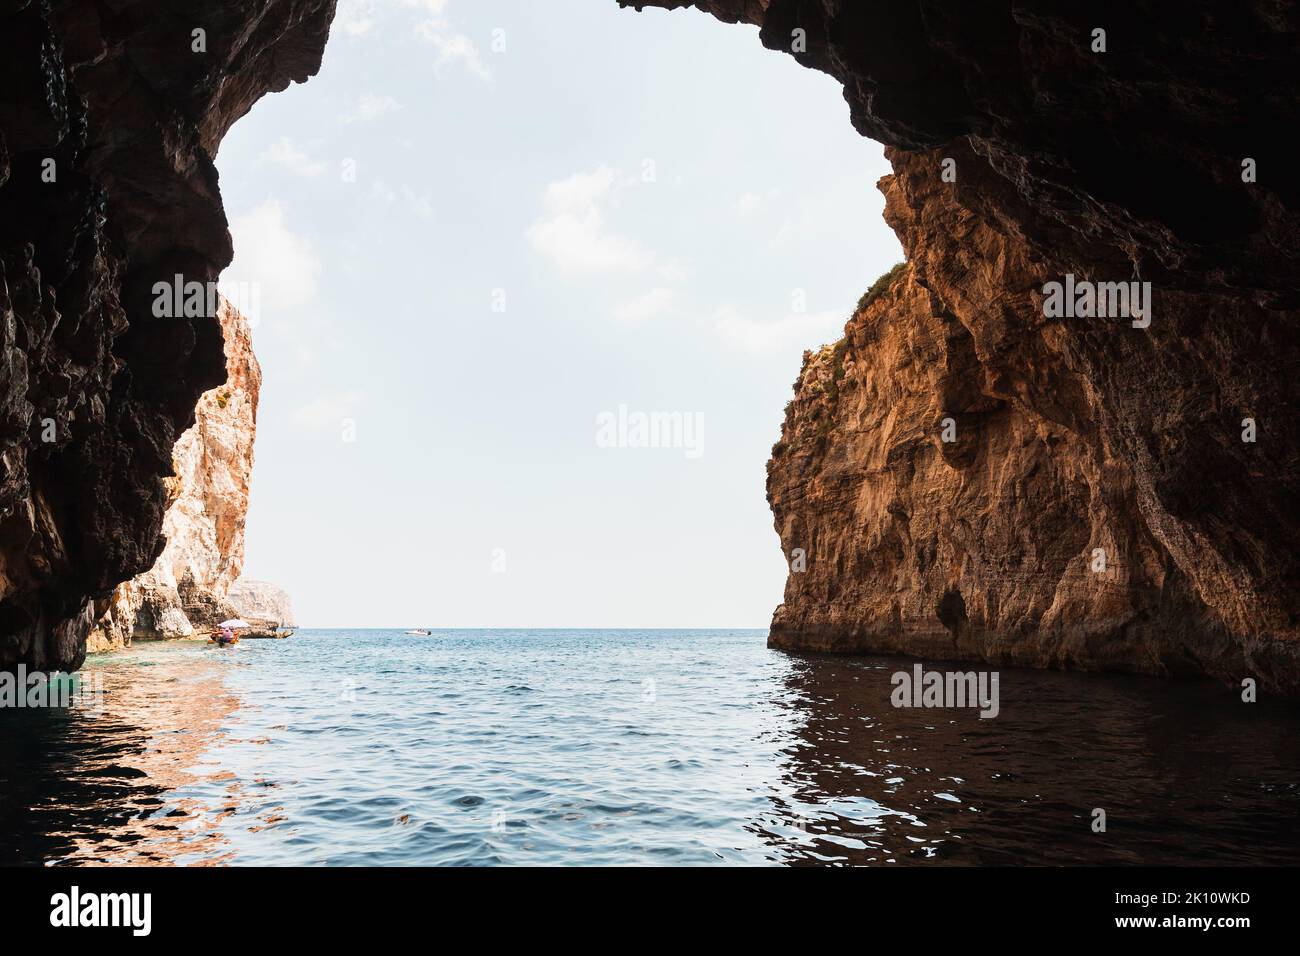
<point x="196" y="582"/>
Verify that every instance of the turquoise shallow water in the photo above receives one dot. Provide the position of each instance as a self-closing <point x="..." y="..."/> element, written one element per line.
<point x="628" y="747"/>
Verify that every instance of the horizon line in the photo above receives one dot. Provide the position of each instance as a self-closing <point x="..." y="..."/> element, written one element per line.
<point x="498" y="627"/>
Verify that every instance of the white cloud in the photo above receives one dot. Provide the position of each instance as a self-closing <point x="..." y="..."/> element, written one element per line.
<point x="357" y="18"/>
<point x="433" y="9"/>
<point x="275" y="269"/>
<point x="573" y="234"/>
<point x="382" y="192"/>
<point x="651" y="305"/>
<point x="418" y="203"/>
<point x="751" y="202"/>
<point x="793" y="331"/>
<point x="328" y="411"/>
<point x="354" y="17"/>
<point x="453" y="47"/>
<point x="284" y="152"/>
<point x="674" y="270"/>
<point x="371" y="106"/>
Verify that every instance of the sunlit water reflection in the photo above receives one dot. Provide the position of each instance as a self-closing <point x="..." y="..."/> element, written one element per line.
<point x="613" y="747"/>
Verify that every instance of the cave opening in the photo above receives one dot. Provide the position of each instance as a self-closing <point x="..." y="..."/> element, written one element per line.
<point x="654" y="240"/>
<point x="477" y="393"/>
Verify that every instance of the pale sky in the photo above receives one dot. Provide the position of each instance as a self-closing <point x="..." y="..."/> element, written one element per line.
<point x="558" y="210"/>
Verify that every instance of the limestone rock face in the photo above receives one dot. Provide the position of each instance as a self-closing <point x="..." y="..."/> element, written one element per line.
<point x="185" y="591"/>
<point x="110" y="117"/>
<point x="986" y="546"/>
<point x="261" y="604"/>
<point x="1097" y="506"/>
<point x="1076" y="437"/>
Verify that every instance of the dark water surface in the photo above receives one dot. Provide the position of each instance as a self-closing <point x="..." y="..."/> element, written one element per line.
<point x="623" y="747"/>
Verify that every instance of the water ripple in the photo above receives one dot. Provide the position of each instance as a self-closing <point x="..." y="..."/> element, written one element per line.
<point x="672" y="747"/>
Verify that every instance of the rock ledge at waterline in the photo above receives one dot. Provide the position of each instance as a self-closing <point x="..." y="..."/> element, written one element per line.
<point x="187" y="590"/>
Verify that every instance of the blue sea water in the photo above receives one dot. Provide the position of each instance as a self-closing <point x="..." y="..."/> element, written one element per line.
<point x="368" y="747"/>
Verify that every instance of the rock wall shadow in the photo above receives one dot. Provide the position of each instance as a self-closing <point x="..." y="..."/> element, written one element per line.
<point x="1186" y="773"/>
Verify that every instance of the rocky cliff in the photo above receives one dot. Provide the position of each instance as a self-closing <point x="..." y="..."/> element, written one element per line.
<point x="111" y="112"/>
<point x="266" y="606"/>
<point x="1031" y="141"/>
<point x="186" y="590"/>
<point x="1115" y="491"/>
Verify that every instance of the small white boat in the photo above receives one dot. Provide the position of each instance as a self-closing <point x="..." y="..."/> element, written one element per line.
<point x="422" y="631"/>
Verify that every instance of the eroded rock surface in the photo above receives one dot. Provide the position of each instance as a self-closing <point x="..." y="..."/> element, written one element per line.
<point x="264" y="605"/>
<point x="1074" y="436"/>
<point x="113" y="100"/>
<point x="185" y="592"/>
